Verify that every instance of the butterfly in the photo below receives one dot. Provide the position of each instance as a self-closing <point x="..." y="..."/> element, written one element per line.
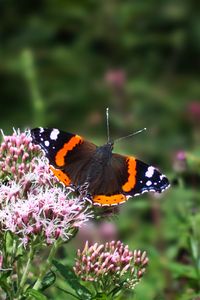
<point x="110" y="178"/>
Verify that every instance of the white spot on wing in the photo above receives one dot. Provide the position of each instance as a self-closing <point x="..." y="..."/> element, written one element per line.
<point x="148" y="183"/>
<point x="41" y="129"/>
<point x="54" y="134"/>
<point x="96" y="203"/>
<point x="149" y="172"/>
<point x="47" y="143"/>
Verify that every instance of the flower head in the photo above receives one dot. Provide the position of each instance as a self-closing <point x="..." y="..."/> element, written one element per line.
<point x="33" y="203"/>
<point x="16" y="154"/>
<point x="112" y="264"/>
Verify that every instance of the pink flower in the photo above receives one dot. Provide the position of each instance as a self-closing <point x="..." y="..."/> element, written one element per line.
<point x="107" y="231"/>
<point x="194" y="111"/>
<point x="180" y="161"/>
<point x="49" y="214"/>
<point x="110" y="263"/>
<point x="181" y="155"/>
<point x="32" y="201"/>
<point x="17" y="152"/>
<point x="115" y="78"/>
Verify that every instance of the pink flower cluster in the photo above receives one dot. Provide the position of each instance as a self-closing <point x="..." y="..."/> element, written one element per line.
<point x="32" y="202"/>
<point x="22" y="162"/>
<point x="50" y="214"/>
<point x="16" y="153"/>
<point x="111" y="263"/>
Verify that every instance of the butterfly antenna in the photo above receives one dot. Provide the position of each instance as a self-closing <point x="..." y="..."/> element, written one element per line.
<point x="107" y="123"/>
<point x="134" y="133"/>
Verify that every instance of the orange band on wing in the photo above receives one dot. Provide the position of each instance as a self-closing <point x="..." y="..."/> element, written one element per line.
<point x="129" y="185"/>
<point x="109" y="200"/>
<point x="61" y="176"/>
<point x="60" y="156"/>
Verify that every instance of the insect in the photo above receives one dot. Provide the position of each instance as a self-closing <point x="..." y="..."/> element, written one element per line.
<point x="109" y="178"/>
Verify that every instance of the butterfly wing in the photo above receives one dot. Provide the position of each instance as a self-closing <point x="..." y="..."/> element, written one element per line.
<point x="68" y="154"/>
<point x="146" y="178"/>
<point x="128" y="177"/>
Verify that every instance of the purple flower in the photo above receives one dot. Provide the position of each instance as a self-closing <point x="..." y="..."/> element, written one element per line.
<point x="111" y="264"/>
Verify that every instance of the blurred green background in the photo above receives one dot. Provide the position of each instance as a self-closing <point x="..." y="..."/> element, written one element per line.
<point x="63" y="62"/>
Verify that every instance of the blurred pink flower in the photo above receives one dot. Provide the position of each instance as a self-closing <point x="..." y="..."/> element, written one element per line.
<point x="181" y="155"/>
<point x="180" y="161"/>
<point x="110" y="264"/>
<point x="96" y="232"/>
<point x="115" y="78"/>
<point x="107" y="231"/>
<point x="194" y="111"/>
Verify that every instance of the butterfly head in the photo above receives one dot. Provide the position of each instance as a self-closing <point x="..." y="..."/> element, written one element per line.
<point x="104" y="153"/>
<point x="110" y="145"/>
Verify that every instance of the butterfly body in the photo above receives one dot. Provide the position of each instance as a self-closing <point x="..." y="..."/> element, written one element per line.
<point x="110" y="177"/>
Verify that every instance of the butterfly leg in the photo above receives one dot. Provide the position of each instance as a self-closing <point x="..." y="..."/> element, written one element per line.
<point x="83" y="190"/>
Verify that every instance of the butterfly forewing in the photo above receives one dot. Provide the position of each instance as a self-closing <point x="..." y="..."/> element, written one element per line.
<point x="66" y="152"/>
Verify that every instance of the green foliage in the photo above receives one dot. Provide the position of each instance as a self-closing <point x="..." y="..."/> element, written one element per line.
<point x="71" y="278"/>
<point x="48" y="280"/>
<point x="35" y="295"/>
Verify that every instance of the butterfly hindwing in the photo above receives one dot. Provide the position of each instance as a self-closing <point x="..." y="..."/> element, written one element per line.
<point x="129" y="177"/>
<point x="147" y="179"/>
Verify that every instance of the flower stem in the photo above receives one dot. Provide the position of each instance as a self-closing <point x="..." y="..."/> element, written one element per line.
<point x="47" y="265"/>
<point x="26" y="271"/>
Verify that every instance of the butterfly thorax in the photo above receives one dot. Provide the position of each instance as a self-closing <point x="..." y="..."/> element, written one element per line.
<point x="103" y="153"/>
<point x="100" y="160"/>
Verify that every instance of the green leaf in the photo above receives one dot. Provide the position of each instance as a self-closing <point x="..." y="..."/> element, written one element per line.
<point x="72" y="280"/>
<point x="101" y="296"/>
<point x="180" y="270"/>
<point x="4" y="285"/>
<point x="48" y="280"/>
<point x="36" y="294"/>
<point x="5" y="274"/>
<point x="194" y="248"/>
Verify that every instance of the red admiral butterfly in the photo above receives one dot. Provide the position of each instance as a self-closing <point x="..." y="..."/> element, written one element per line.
<point x="110" y="177"/>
